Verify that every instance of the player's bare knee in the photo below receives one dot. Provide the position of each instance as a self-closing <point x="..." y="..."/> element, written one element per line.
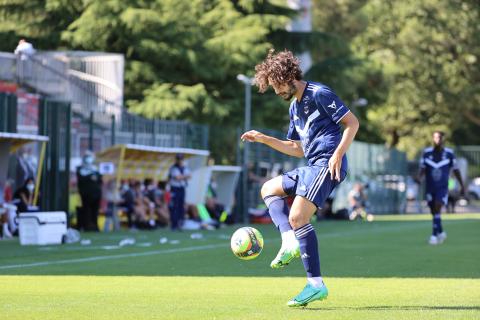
<point x="293" y="220"/>
<point x="296" y="221"/>
<point x="269" y="189"/>
<point x="265" y="191"/>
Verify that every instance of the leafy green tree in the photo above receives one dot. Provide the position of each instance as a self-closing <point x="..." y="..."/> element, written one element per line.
<point x="182" y="56"/>
<point x="40" y="21"/>
<point x="428" y="52"/>
<point x="336" y="64"/>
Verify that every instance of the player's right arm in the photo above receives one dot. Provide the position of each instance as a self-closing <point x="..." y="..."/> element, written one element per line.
<point x="290" y="147"/>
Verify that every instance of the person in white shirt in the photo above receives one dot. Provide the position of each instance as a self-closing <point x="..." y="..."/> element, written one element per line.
<point x="178" y="179"/>
<point x="24" y="49"/>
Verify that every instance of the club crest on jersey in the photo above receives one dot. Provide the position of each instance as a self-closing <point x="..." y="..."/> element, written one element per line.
<point x="306" y="109"/>
<point x="332" y="105"/>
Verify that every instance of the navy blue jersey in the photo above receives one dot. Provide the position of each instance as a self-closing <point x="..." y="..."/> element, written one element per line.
<point x="315" y="122"/>
<point x="437" y="165"/>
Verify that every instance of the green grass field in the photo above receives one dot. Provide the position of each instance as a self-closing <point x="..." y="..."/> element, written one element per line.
<point x="379" y="270"/>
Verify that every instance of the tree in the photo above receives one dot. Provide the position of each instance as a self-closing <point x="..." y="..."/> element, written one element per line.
<point x="40" y="21"/>
<point x="428" y="53"/>
<point x="182" y="56"/>
<point x="336" y="63"/>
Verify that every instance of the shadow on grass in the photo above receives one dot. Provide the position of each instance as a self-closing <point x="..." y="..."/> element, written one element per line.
<point x="398" y="308"/>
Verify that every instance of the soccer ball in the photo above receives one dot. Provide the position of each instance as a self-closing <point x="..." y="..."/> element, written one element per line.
<point x="247" y="243"/>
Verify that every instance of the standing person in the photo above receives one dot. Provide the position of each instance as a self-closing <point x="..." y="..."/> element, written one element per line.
<point x="436" y="163"/>
<point x="314" y="133"/>
<point x="89" y="182"/>
<point x="24" y="49"/>
<point x="179" y="175"/>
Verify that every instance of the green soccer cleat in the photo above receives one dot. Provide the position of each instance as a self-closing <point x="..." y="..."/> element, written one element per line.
<point x="284" y="257"/>
<point x="308" y="294"/>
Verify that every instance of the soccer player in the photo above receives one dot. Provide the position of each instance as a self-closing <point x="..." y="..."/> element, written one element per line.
<point x="315" y="133"/>
<point x="436" y="163"/>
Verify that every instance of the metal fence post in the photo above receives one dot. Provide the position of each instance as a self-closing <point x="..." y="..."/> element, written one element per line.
<point x="112" y="135"/>
<point x="90" y="131"/>
<point x="154" y="131"/>
<point x="134" y="136"/>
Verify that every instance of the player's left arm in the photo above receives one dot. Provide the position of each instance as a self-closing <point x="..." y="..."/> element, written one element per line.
<point x="458" y="175"/>
<point x="351" y="125"/>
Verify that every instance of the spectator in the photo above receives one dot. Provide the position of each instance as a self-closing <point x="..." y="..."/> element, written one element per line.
<point x="214" y="208"/>
<point x="113" y="200"/>
<point x="4" y="220"/>
<point x="128" y="202"/>
<point x="23" y="197"/>
<point x="7" y="191"/>
<point x="89" y="182"/>
<point x="358" y="203"/>
<point x="162" y="198"/>
<point x="141" y="205"/>
<point x="253" y="178"/>
<point x="453" y="195"/>
<point x="24" y="49"/>
<point x="149" y="193"/>
<point x="179" y="175"/>
<point x="4" y="214"/>
<point x="25" y="168"/>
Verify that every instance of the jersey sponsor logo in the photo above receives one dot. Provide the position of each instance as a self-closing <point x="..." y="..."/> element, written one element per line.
<point x="332" y="105"/>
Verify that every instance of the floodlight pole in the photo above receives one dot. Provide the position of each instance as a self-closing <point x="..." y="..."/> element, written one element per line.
<point x="246" y="148"/>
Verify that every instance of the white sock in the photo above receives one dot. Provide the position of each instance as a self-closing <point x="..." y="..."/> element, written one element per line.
<point x="317" y="282"/>
<point x="6" y="232"/>
<point x="289" y="239"/>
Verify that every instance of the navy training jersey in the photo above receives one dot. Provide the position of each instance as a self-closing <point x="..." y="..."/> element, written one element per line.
<point x="315" y="122"/>
<point x="437" y="165"/>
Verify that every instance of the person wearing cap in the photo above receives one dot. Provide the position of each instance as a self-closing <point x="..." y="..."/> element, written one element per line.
<point x="179" y="174"/>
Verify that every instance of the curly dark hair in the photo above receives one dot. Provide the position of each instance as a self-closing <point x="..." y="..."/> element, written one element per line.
<point x="279" y="68"/>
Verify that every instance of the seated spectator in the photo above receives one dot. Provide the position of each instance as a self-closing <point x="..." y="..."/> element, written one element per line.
<point x="453" y="194"/>
<point x="162" y="199"/>
<point x="142" y="206"/>
<point x="4" y="220"/>
<point x="7" y="197"/>
<point x="358" y="203"/>
<point x="112" y="196"/>
<point x="23" y="197"/>
<point x="128" y="202"/>
<point x="214" y="208"/>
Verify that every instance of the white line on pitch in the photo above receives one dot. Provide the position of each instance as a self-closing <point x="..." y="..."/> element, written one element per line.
<point x="205" y="247"/>
<point x="117" y="256"/>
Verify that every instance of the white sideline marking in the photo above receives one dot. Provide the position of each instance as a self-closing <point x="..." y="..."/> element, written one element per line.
<point x="413" y="225"/>
<point x="117" y="256"/>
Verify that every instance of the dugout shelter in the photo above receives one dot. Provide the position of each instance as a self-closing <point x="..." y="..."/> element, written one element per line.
<point x="9" y="144"/>
<point x="133" y="161"/>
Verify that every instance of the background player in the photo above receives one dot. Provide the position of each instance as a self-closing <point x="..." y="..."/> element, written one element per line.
<point x="436" y="163"/>
<point x="314" y="132"/>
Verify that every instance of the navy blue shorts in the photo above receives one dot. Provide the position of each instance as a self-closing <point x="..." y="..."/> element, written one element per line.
<point x="312" y="182"/>
<point x="437" y="195"/>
